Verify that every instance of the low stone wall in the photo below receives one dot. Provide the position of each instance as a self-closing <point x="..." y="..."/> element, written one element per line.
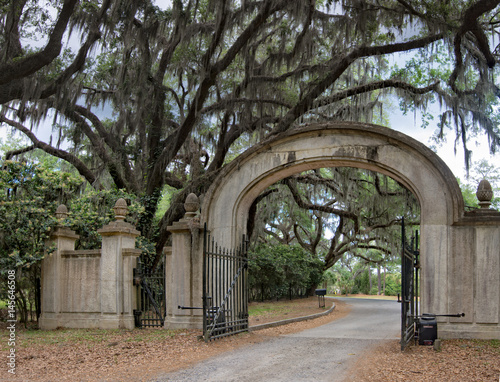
<point x="90" y="288"/>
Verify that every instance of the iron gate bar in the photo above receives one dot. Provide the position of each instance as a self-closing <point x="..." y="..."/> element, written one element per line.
<point x="225" y="302"/>
<point x="409" y="287"/>
<point x="151" y="295"/>
<point x="153" y="301"/>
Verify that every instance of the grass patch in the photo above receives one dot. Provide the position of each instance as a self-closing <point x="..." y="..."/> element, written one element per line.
<point x="259" y="310"/>
<point x="495" y="344"/>
<point x="264" y="308"/>
<point x="269" y="308"/>
<point x="274" y="308"/>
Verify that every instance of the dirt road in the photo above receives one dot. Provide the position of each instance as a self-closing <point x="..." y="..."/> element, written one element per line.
<point x="320" y="354"/>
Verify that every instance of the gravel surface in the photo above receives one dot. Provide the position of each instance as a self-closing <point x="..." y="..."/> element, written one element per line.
<point x="324" y="353"/>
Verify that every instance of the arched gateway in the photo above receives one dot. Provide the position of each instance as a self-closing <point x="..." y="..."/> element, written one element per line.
<point x="460" y="252"/>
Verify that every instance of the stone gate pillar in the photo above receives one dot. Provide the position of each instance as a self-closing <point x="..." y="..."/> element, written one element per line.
<point x="184" y="271"/>
<point x="64" y="240"/>
<point x="117" y="261"/>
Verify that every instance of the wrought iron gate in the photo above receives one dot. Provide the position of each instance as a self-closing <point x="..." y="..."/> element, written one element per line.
<point x="409" y="286"/>
<point x="225" y="289"/>
<point x="151" y="302"/>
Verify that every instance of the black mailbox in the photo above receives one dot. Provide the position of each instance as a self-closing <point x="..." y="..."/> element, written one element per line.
<point x="321" y="297"/>
<point x="320" y="292"/>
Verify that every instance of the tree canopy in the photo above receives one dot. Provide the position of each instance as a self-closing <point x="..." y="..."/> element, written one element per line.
<point x="145" y="97"/>
<point x="334" y="212"/>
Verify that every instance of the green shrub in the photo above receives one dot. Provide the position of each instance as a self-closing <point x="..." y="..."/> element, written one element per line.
<point x="282" y="270"/>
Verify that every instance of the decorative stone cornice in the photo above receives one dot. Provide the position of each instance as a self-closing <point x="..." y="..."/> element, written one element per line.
<point x="63" y="232"/>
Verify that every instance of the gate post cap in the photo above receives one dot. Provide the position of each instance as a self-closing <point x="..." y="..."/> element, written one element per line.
<point x="61" y="212"/>
<point x="484" y="193"/>
<point x="121" y="209"/>
<point x="191" y="205"/>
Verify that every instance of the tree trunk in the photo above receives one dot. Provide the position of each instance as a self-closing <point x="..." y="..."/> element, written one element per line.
<point x="312" y="290"/>
<point x="385" y="271"/>
<point x="379" y="279"/>
<point x="370" y="277"/>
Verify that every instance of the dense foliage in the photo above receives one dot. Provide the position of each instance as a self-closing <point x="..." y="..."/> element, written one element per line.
<point x="334" y="212"/>
<point x="29" y="196"/>
<point x="383" y="278"/>
<point x="277" y="271"/>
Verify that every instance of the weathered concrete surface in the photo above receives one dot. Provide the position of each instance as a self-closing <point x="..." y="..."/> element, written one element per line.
<point x="90" y="288"/>
<point x="324" y="353"/>
<point x="184" y="276"/>
<point x="225" y="207"/>
<point x="452" y="241"/>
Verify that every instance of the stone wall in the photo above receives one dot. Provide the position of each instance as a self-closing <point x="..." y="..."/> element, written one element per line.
<point x="474" y="277"/>
<point x="90" y="288"/>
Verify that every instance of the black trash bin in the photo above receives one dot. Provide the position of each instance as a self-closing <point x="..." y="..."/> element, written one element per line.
<point x="427" y="329"/>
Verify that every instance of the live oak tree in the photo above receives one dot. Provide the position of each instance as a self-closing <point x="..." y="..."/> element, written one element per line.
<point x="153" y="97"/>
<point x="334" y="212"/>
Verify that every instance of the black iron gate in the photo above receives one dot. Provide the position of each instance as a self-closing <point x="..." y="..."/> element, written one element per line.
<point x="409" y="286"/>
<point x="225" y="295"/>
<point x="151" y="300"/>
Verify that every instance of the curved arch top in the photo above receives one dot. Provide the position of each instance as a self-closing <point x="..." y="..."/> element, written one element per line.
<point x="226" y="204"/>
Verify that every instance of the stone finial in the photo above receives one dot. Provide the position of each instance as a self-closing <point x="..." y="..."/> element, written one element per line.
<point x="121" y="209"/>
<point x="61" y="212"/>
<point x="191" y="205"/>
<point x="484" y="194"/>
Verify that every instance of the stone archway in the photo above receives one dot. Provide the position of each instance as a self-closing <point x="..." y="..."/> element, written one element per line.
<point x="460" y="252"/>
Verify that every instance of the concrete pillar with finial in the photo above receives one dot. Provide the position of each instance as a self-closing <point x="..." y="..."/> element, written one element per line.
<point x="117" y="261"/>
<point x="51" y="273"/>
<point x="487" y="258"/>
<point x="184" y="274"/>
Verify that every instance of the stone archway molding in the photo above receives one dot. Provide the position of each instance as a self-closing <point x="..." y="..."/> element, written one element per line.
<point x="225" y="206"/>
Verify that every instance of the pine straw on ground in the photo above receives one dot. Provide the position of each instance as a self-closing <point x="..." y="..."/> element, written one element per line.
<point x="458" y="360"/>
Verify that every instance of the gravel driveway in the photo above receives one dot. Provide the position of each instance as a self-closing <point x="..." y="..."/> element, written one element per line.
<point x="320" y="354"/>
